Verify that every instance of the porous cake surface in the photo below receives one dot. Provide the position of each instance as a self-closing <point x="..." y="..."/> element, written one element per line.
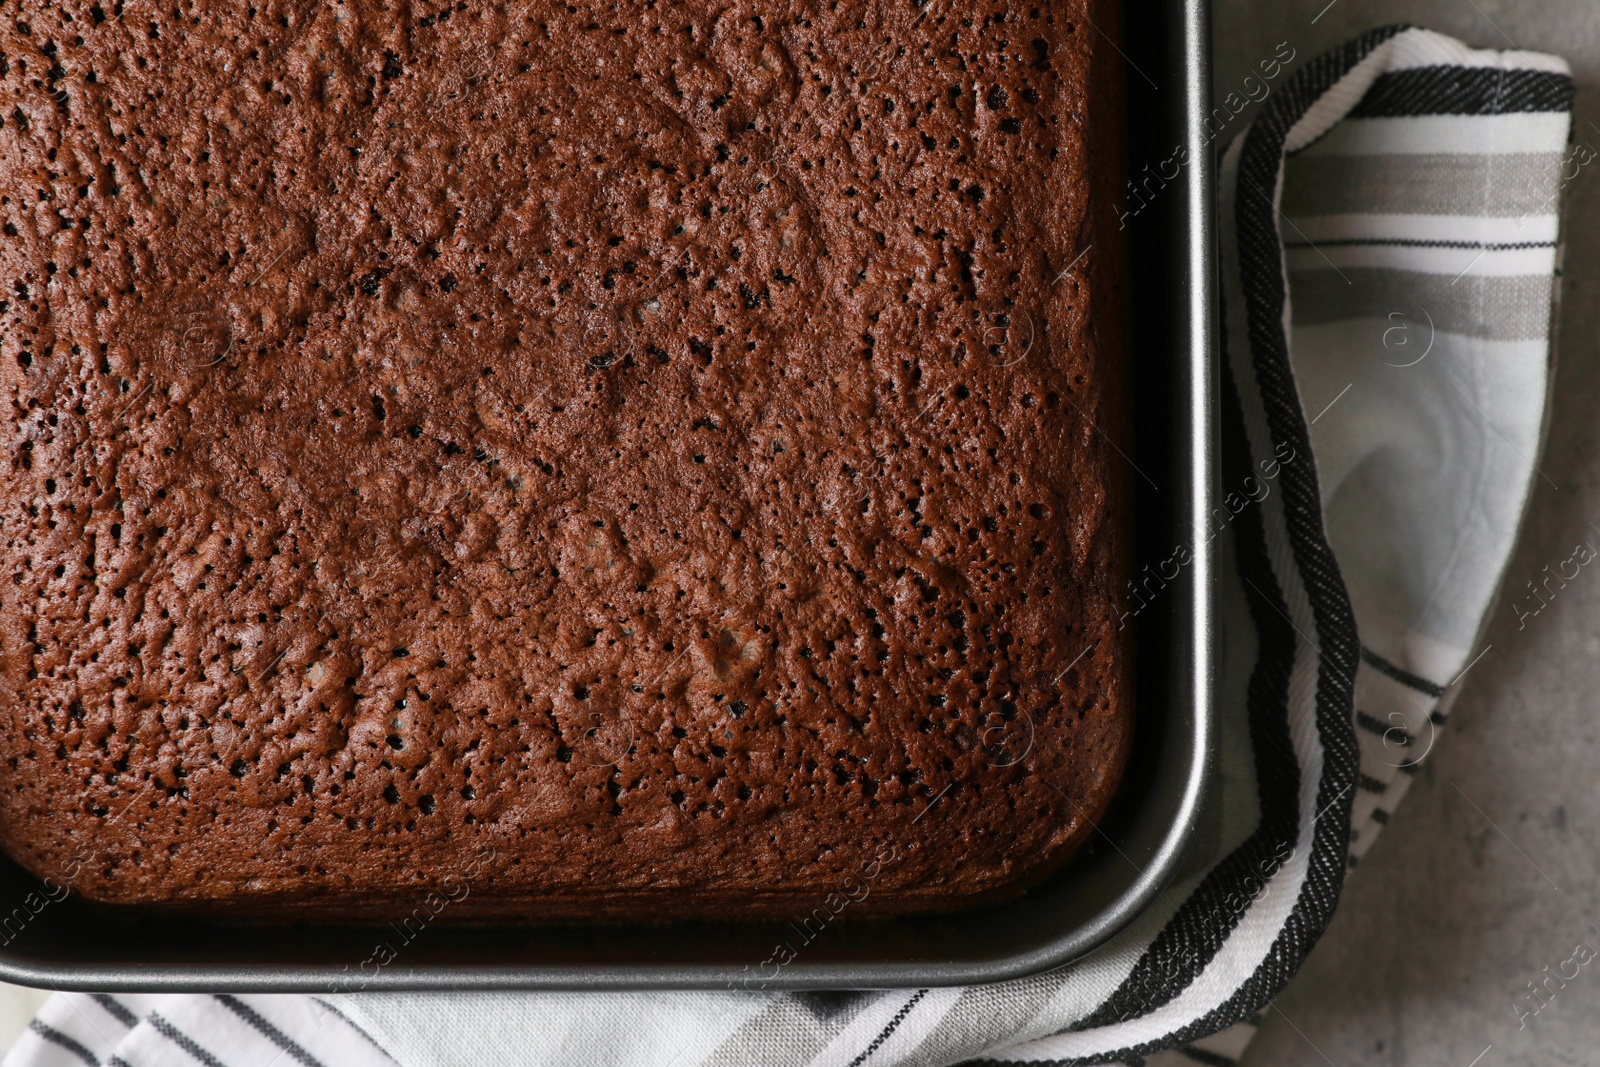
<point x="631" y="460"/>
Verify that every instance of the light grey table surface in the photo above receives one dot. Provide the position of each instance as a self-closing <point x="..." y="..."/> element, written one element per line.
<point x="1455" y="910"/>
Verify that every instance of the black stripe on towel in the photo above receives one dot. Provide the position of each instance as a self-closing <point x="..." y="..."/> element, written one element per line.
<point x="60" y="1040"/>
<point x="1414" y="242"/>
<point x="183" y="1041"/>
<point x="116" y="1009"/>
<point x="267" y="1030"/>
<point x="1464" y="91"/>
<point x="894" y="1024"/>
<point x="1383" y="730"/>
<point x="1400" y="674"/>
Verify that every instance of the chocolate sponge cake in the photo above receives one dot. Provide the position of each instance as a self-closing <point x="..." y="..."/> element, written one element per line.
<point x="628" y="461"/>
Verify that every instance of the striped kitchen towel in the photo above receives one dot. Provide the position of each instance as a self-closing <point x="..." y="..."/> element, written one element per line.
<point x="1389" y="253"/>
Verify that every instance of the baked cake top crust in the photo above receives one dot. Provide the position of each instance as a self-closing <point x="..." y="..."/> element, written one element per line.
<point x="647" y="453"/>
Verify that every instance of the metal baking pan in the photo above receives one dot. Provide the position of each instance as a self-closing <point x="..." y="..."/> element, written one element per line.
<point x="48" y="938"/>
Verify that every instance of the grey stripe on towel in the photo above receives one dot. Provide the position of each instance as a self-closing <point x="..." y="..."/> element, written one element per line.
<point x="1515" y="308"/>
<point x="1503" y="186"/>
